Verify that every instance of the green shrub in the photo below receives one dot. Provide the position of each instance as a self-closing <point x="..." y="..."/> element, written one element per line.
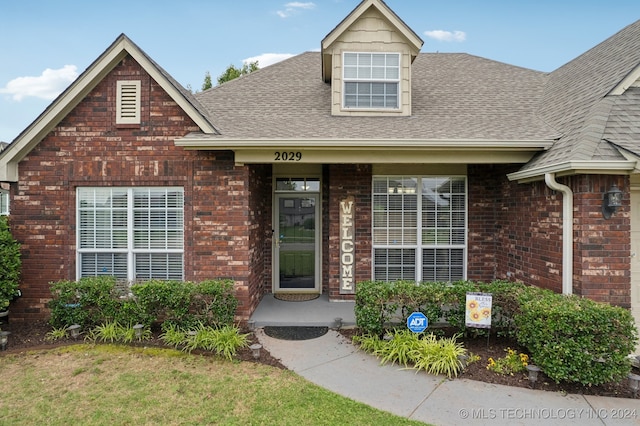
<point x="57" y="334"/>
<point x="224" y="341"/>
<point x="413" y="350"/>
<point x="575" y="339"/>
<point x="173" y="336"/>
<point x="379" y="304"/>
<point x="113" y="332"/>
<point x="439" y="356"/>
<point x="98" y="300"/>
<point x="214" y="302"/>
<point x="87" y="302"/>
<point x="163" y="300"/>
<point x="374" y="306"/>
<point x="398" y="348"/>
<point x="10" y="264"/>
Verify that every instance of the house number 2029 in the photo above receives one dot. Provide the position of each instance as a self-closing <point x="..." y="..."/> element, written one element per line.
<point x="287" y="156"/>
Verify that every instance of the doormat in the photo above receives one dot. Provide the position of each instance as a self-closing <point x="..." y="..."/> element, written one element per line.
<point x="295" y="333"/>
<point x="296" y="297"/>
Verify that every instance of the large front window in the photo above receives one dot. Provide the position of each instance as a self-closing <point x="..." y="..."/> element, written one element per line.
<point x="131" y="233"/>
<point x="371" y="80"/>
<point x="419" y="228"/>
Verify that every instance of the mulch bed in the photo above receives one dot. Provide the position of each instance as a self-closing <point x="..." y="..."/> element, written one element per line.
<point x="496" y="348"/>
<point x="32" y="336"/>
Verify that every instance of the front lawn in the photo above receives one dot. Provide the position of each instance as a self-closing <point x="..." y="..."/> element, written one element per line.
<point x="110" y="384"/>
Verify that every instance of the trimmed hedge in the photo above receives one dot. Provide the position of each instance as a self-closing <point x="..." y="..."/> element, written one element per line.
<point x="577" y="340"/>
<point x="380" y="303"/>
<point x="10" y="264"/>
<point x="570" y="338"/>
<point x="98" y="300"/>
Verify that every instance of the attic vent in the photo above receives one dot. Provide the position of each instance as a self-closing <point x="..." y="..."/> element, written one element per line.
<point x="128" y="102"/>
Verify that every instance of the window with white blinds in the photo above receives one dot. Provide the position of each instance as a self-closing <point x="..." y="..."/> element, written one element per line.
<point x="131" y="233"/>
<point x="419" y="228"/>
<point x="371" y="80"/>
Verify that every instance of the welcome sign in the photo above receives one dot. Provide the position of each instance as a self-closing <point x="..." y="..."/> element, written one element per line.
<point x="347" y="246"/>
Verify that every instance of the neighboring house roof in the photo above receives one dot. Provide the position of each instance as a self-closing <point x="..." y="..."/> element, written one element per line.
<point x="589" y="100"/>
<point x="454" y="96"/>
<point x="73" y="95"/>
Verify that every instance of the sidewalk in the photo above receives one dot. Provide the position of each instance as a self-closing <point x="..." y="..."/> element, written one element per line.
<point x="332" y="362"/>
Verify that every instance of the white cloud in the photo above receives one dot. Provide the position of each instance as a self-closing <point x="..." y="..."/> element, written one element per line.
<point x="294" y="7"/>
<point x="442" y="35"/>
<point x="267" y="59"/>
<point x="47" y="86"/>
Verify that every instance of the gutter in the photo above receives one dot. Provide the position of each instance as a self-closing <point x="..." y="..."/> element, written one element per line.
<point x="567" y="231"/>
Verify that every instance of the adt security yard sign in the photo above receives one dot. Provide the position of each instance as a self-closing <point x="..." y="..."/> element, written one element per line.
<point x="417" y="322"/>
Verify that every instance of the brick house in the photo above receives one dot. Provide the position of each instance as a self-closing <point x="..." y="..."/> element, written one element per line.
<point x="366" y="160"/>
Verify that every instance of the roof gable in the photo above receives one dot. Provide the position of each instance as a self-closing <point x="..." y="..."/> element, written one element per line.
<point x="80" y="88"/>
<point x="366" y="7"/>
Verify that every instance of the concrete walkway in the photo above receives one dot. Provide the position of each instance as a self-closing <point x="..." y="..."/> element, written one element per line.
<point x="332" y="362"/>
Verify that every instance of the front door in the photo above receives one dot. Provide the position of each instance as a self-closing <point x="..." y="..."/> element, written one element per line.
<point x="297" y="243"/>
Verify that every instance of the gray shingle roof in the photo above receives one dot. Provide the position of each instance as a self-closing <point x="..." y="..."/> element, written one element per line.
<point x="455" y="96"/>
<point x="623" y="126"/>
<point x="577" y="101"/>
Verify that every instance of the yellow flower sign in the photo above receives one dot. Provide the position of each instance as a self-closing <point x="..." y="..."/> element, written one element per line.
<point x="478" y="311"/>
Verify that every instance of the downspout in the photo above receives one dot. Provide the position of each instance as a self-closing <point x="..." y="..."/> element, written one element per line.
<point x="567" y="231"/>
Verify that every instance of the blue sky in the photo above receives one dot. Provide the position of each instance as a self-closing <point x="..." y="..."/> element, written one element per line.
<point x="45" y="44"/>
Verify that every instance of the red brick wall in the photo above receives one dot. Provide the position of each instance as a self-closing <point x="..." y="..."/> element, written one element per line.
<point x="602" y="263"/>
<point x="515" y="233"/>
<point x="88" y="149"/>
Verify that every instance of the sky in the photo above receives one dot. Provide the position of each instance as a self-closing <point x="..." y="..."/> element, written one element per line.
<point x="46" y="44"/>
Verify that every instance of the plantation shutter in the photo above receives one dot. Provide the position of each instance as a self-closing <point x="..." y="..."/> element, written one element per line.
<point x="131" y="233"/>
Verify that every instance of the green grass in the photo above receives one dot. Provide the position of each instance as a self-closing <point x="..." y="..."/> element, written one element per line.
<point x="110" y="384"/>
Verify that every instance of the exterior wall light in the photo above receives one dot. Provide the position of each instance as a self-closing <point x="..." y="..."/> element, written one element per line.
<point x="611" y="200"/>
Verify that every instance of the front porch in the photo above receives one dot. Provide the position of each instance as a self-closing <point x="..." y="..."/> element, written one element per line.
<point x="313" y="313"/>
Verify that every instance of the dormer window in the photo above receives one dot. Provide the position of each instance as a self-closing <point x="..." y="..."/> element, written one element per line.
<point x="371" y="80"/>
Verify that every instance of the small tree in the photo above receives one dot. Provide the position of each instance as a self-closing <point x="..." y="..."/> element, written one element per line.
<point x="232" y="72"/>
<point x="207" y="82"/>
<point x="10" y="264"/>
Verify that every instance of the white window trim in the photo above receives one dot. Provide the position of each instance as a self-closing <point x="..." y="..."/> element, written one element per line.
<point x="128" y="102"/>
<point x="346" y="80"/>
<point x="4" y="202"/>
<point x="419" y="246"/>
<point x="131" y="250"/>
